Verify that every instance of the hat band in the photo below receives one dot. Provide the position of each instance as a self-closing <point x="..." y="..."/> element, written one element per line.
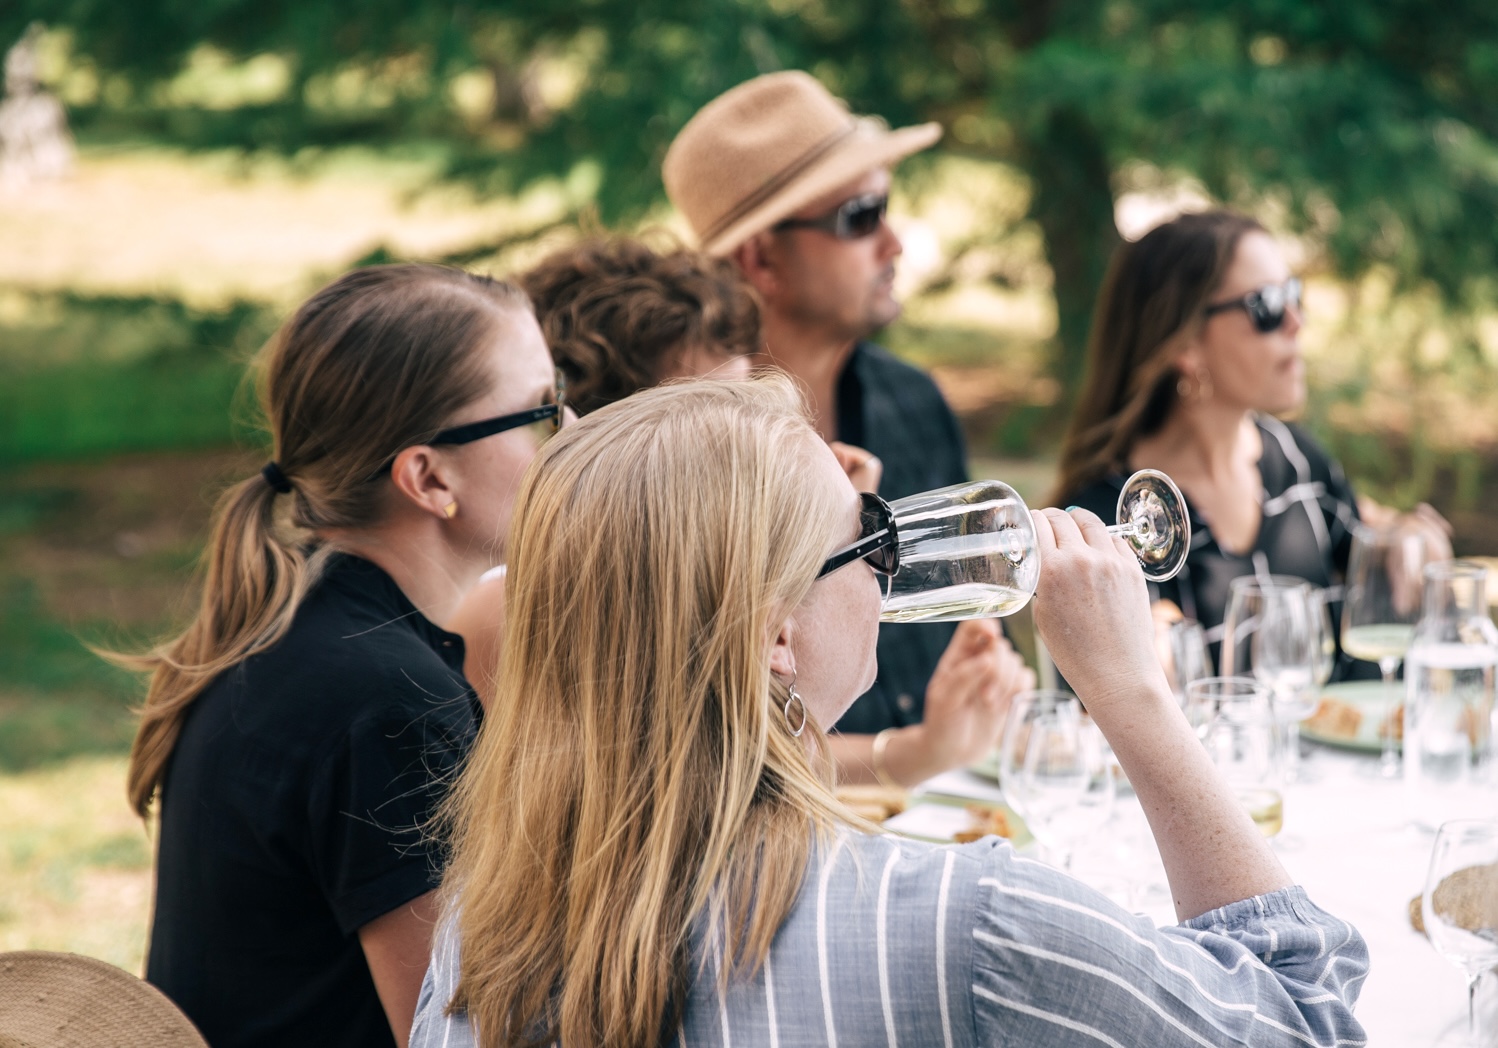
<point x="783" y="178"/>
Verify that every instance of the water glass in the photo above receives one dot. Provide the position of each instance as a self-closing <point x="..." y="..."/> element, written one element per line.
<point x="1237" y="728"/>
<point x="1273" y="631"/>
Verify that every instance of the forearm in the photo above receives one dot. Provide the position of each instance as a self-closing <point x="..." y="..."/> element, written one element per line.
<point x="906" y="759"/>
<point x="1213" y="853"/>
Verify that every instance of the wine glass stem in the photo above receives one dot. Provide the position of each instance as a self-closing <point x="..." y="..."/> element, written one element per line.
<point x="1125" y="530"/>
<point x="1292" y="751"/>
<point x="1388" y="762"/>
<point x="1473" y="981"/>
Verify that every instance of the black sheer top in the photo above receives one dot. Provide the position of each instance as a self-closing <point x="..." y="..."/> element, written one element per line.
<point x="1308" y="512"/>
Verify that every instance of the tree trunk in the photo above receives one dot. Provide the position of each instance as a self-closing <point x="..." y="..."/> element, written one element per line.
<point x="1073" y="204"/>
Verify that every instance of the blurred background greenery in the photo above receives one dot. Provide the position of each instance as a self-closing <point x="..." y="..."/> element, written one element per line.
<point x="234" y="154"/>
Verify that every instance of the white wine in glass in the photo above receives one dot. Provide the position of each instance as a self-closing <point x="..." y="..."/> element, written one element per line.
<point x="968" y="551"/>
<point x="1380" y="641"/>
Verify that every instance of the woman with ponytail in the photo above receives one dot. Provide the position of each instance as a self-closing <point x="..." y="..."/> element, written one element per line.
<point x="296" y="736"/>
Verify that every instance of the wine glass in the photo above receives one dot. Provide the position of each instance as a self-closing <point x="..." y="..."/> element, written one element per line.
<point x="969" y="552"/>
<point x="1270" y="631"/>
<point x="1381" y="604"/>
<point x="1053" y="770"/>
<point x="1186" y="657"/>
<point x="1325" y="642"/>
<point x="1460" y="904"/>
<point x="1237" y="728"/>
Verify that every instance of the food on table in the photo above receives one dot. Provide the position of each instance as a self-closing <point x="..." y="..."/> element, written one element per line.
<point x="1394" y="723"/>
<point x="987" y="822"/>
<point x="1469" y="897"/>
<point x="874" y="803"/>
<point x="1335" y="719"/>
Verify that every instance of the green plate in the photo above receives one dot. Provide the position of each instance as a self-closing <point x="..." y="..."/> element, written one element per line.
<point x="988" y="767"/>
<point x="1367" y="697"/>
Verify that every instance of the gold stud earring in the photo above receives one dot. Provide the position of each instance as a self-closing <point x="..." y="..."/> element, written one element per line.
<point x="451" y="509"/>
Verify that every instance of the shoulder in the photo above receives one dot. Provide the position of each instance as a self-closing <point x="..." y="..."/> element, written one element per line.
<point x="1295" y="444"/>
<point x="882" y="370"/>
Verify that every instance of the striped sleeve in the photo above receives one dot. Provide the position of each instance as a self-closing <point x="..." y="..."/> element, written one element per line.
<point x="434" y="1028"/>
<point x="1056" y="963"/>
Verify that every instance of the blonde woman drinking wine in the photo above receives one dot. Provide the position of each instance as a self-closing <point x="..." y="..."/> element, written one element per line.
<point x="646" y="847"/>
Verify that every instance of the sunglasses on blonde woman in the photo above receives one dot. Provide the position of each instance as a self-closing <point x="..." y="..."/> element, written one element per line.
<point x="878" y="540"/>
<point x="1266" y="306"/>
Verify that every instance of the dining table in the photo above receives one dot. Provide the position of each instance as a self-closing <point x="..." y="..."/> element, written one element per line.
<point x="1348" y="838"/>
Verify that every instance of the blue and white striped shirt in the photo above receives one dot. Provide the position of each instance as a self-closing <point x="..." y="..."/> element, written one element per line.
<point x="901" y="944"/>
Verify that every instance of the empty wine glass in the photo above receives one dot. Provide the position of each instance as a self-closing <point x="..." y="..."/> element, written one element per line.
<point x="1238" y="732"/>
<point x="1272" y="633"/>
<point x="1053" y="770"/>
<point x="968" y="551"/>
<point x="1185" y="656"/>
<point x="1379" y="612"/>
<point x="1460" y="904"/>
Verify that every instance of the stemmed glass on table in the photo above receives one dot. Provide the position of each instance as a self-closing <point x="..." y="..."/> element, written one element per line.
<point x="1274" y="631"/>
<point x="1054" y="770"/>
<point x="1460" y="904"/>
<point x="1381" y="606"/>
<point x="1236" y="722"/>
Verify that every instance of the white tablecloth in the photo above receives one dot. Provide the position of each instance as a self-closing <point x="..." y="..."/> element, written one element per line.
<point x="1347" y="840"/>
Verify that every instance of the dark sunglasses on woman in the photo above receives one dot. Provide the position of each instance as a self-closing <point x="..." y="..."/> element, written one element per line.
<point x="1266" y="306"/>
<point x="878" y="540"/>
<point x="850" y="220"/>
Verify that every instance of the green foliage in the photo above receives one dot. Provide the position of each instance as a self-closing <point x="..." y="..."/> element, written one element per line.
<point x="1368" y="126"/>
<point x="95" y="375"/>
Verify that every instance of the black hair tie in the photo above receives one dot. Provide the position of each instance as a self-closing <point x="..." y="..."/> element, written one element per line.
<point x="276" y="479"/>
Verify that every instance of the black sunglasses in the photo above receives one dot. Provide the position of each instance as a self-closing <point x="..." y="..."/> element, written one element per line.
<point x="467" y="433"/>
<point x="1266" y="306"/>
<point x="850" y="220"/>
<point x="878" y="540"/>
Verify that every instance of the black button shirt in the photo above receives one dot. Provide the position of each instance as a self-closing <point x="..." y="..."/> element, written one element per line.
<point x="292" y="814"/>
<point x="895" y="411"/>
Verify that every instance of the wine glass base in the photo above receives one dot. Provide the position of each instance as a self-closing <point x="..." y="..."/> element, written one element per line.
<point x="1154" y="511"/>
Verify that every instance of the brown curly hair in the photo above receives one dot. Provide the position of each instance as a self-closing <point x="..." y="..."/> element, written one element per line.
<point x="618" y="314"/>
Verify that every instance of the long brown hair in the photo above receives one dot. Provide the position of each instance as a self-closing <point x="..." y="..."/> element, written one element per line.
<point x="636" y="773"/>
<point x="377" y="361"/>
<point x="1152" y="298"/>
<point x="616" y="313"/>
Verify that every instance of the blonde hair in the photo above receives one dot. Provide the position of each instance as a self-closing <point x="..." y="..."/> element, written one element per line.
<point x="636" y="773"/>
<point x="1152" y="298"/>
<point x="377" y="361"/>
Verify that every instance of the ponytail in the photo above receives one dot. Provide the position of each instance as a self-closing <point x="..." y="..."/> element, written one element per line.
<point x="253" y="583"/>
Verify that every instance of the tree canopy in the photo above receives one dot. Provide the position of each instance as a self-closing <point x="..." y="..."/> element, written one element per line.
<point x="1369" y="125"/>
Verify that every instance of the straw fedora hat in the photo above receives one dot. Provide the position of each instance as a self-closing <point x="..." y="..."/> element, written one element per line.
<point x="765" y="149"/>
<point x="62" y="1000"/>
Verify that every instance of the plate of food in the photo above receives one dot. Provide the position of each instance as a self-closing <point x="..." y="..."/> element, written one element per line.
<point x="933" y="816"/>
<point x="1352" y="716"/>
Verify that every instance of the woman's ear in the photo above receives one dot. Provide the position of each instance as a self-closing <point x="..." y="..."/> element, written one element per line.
<point x="419" y="477"/>
<point x="782" y="660"/>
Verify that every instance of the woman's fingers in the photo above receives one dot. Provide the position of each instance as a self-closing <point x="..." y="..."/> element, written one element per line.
<point x="1093" y="530"/>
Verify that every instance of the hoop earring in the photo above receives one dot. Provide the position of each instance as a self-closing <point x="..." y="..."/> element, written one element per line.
<point x="798" y="725"/>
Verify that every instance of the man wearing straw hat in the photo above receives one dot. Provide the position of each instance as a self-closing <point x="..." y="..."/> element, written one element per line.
<point x="780" y="176"/>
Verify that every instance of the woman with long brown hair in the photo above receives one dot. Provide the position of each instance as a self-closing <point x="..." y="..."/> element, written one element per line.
<point x="646" y="848"/>
<point x="1194" y="356"/>
<point x="295" y="736"/>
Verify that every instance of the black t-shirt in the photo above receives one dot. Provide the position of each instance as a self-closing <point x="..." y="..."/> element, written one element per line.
<point x="292" y="813"/>
<point x="1306" y="530"/>
<point x="895" y="411"/>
